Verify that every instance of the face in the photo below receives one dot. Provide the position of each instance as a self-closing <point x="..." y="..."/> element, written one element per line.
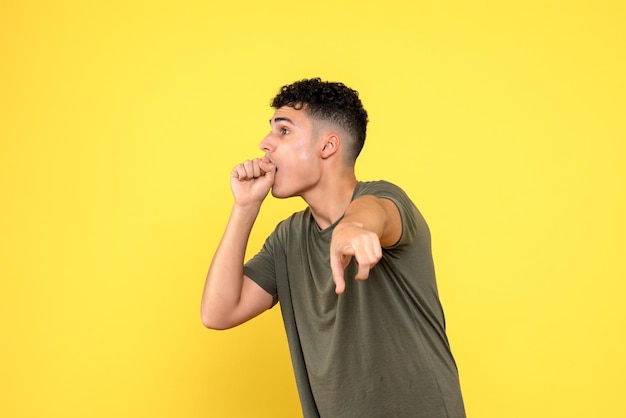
<point x="292" y="146"/>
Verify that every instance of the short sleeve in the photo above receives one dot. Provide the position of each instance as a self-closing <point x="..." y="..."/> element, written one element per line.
<point x="262" y="268"/>
<point x="408" y="212"/>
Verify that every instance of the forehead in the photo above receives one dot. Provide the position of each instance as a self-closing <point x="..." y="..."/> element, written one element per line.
<point x="287" y="114"/>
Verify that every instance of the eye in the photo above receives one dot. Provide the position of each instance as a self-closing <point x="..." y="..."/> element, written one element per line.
<point x="284" y="131"/>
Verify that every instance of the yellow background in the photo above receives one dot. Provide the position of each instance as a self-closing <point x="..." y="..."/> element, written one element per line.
<point x="120" y="122"/>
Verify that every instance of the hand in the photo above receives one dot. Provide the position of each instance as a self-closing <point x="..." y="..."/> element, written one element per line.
<point x="252" y="180"/>
<point x="349" y="240"/>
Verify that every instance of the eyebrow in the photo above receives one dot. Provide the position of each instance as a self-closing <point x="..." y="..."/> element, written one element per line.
<point x="282" y="119"/>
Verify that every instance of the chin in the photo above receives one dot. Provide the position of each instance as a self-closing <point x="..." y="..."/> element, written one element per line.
<point x="279" y="195"/>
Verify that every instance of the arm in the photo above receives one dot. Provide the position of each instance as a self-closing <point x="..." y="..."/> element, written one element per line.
<point x="369" y="224"/>
<point x="230" y="298"/>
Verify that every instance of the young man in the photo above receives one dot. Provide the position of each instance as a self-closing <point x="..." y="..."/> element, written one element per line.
<point x="353" y="272"/>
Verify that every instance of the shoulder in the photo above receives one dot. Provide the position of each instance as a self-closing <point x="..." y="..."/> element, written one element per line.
<point x="379" y="188"/>
<point x="413" y="223"/>
<point x="295" y="223"/>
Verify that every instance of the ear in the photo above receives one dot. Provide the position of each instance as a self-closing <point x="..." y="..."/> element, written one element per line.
<point x="330" y="145"/>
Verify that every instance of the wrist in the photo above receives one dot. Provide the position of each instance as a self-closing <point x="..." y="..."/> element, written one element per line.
<point x="247" y="206"/>
<point x="347" y="222"/>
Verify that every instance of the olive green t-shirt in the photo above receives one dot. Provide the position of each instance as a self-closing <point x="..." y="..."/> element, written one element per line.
<point x="379" y="349"/>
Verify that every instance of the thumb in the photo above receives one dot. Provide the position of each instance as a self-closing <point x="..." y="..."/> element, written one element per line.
<point x="268" y="168"/>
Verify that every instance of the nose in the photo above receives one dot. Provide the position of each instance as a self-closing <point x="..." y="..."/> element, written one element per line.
<point x="267" y="144"/>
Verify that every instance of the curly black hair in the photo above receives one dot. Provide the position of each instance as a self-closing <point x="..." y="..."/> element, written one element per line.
<point x="329" y="101"/>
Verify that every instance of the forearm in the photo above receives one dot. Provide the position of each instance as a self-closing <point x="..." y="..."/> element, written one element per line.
<point x="368" y="224"/>
<point x="377" y="215"/>
<point x="368" y="213"/>
<point x="224" y="281"/>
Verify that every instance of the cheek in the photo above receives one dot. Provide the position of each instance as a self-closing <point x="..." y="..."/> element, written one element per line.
<point x="304" y="152"/>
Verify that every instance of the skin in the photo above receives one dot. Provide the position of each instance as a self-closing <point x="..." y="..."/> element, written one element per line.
<point x="303" y="157"/>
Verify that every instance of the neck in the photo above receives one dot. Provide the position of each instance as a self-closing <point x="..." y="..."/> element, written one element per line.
<point x="330" y="199"/>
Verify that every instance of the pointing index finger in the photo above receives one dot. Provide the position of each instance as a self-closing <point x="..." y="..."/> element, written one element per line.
<point x="337" y="269"/>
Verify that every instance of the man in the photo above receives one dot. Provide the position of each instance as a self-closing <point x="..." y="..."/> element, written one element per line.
<point x="353" y="272"/>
